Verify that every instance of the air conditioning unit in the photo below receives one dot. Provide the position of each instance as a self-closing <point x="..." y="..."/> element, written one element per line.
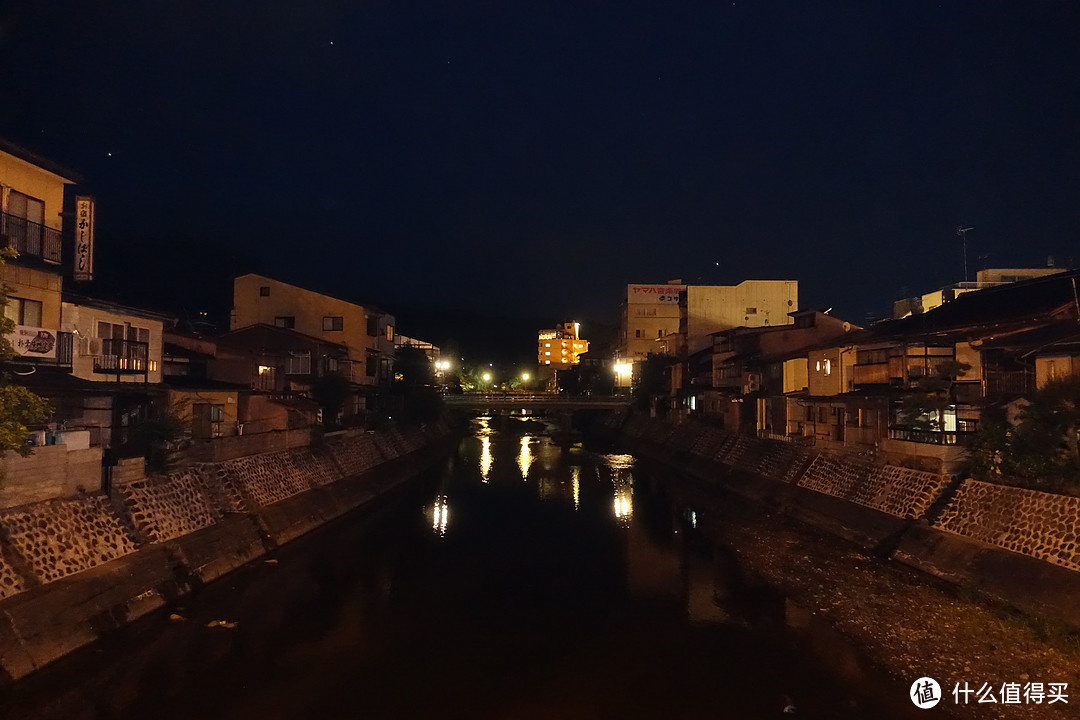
<point x="94" y="346"/>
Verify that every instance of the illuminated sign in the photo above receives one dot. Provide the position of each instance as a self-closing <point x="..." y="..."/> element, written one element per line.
<point x="666" y="294"/>
<point x="33" y="341"/>
<point x="84" y="238"/>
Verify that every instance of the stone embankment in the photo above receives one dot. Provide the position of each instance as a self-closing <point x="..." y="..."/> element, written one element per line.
<point x="74" y="568"/>
<point x="1018" y="546"/>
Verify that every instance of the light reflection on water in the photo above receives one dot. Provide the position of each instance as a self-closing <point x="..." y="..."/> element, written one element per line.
<point x="525" y="457"/>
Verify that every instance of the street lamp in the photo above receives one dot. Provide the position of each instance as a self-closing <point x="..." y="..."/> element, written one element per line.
<point x="525" y="377"/>
<point x="487" y="377"/>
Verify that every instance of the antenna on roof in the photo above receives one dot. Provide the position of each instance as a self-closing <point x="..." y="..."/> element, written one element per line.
<point x="962" y="232"/>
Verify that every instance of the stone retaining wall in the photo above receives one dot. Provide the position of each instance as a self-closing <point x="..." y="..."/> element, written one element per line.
<point x="48" y="540"/>
<point x="1037" y="524"/>
<point x="163" y="508"/>
<point x="71" y="569"/>
<point x="58" y="538"/>
<point x="1015" y="545"/>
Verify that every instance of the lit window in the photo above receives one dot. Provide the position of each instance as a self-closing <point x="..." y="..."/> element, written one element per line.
<point x="547" y="362"/>
<point x="548" y="352"/>
<point x="547" y="344"/>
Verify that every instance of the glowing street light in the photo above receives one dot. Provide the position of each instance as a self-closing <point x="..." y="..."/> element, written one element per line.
<point x="525" y="377"/>
<point x="487" y="377"/>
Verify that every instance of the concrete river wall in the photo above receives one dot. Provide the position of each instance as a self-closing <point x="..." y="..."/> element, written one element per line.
<point x="74" y="568"/>
<point x="1014" y="545"/>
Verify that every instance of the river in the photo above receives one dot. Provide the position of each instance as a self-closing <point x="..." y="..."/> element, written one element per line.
<point x="517" y="579"/>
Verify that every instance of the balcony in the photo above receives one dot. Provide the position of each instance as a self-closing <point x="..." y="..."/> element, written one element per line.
<point x="123" y="357"/>
<point x="30" y="238"/>
<point x="930" y="437"/>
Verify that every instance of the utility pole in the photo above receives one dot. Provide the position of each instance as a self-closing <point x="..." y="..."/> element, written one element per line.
<point x="962" y="232"/>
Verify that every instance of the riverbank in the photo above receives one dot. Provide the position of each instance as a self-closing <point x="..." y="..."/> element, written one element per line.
<point x="75" y="569"/>
<point x="836" y="558"/>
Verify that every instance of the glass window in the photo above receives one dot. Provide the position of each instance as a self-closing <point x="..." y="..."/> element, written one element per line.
<point x="333" y="322"/>
<point x="264" y="291"/>
<point x="285" y="321"/>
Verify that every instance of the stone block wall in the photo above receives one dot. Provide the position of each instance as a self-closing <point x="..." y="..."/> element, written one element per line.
<point x="902" y="492"/>
<point x="163" y="508"/>
<point x="265" y="479"/>
<point x="781" y="461"/>
<point x="58" y="538"/>
<point x="356" y="454"/>
<point x="386" y="446"/>
<point x="10" y="582"/>
<point x="832" y="477"/>
<point x="1041" y="525"/>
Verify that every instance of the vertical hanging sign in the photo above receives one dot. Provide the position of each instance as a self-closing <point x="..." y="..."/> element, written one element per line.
<point x="84" y="238"/>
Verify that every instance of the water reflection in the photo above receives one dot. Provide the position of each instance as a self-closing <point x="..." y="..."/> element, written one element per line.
<point x="575" y="476"/>
<point x="485" y="457"/>
<point x="525" y="457"/>
<point x="440" y="515"/>
<point x="624" y="498"/>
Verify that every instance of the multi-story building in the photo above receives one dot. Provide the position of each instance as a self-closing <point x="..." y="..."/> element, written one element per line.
<point x="988" y="278"/>
<point x="560" y="348"/>
<point x="677" y="319"/>
<point x="31" y="205"/>
<point x="650" y="313"/>
<point x="752" y="303"/>
<point x="366" y="332"/>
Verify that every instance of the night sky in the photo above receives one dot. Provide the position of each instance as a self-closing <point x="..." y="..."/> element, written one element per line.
<point x="532" y="158"/>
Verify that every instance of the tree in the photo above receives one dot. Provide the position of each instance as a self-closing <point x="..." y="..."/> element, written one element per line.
<point x="19" y="408"/>
<point x="654" y="381"/>
<point x="162" y="432"/>
<point x="413" y="366"/>
<point x="415" y="399"/>
<point x="924" y="408"/>
<point x="330" y="391"/>
<point x="1042" y="449"/>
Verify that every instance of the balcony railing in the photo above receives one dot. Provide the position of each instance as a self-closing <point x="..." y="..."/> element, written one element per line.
<point x="123" y="357"/>
<point x="930" y="437"/>
<point x="30" y="238"/>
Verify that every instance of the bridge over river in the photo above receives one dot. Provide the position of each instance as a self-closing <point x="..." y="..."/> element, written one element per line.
<point x="536" y="401"/>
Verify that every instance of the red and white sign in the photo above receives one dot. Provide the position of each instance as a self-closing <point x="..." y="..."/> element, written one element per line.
<point x="664" y="294"/>
<point x="33" y="341"/>
<point x="84" y="238"/>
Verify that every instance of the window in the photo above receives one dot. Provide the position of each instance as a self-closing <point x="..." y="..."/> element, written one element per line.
<point x="390" y="333"/>
<point x="372" y="326"/>
<point x="217" y="413"/>
<point x="751" y="311"/>
<point x="116" y="331"/>
<point x="285" y="321"/>
<point x="371" y="366"/>
<point x="637" y="333"/>
<point x="333" y="322"/>
<point x="24" y="312"/>
<point x="659" y="334"/>
<point x="264" y="291"/>
<point x="298" y="364"/>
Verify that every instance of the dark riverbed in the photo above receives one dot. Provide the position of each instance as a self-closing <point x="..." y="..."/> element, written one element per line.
<point x="519" y="579"/>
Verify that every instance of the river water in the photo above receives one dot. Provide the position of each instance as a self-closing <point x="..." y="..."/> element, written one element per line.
<point x="519" y="578"/>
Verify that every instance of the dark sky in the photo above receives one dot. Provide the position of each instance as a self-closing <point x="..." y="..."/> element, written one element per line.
<point x="532" y="158"/>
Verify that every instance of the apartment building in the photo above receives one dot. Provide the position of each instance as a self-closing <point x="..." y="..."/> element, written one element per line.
<point x="366" y="332"/>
